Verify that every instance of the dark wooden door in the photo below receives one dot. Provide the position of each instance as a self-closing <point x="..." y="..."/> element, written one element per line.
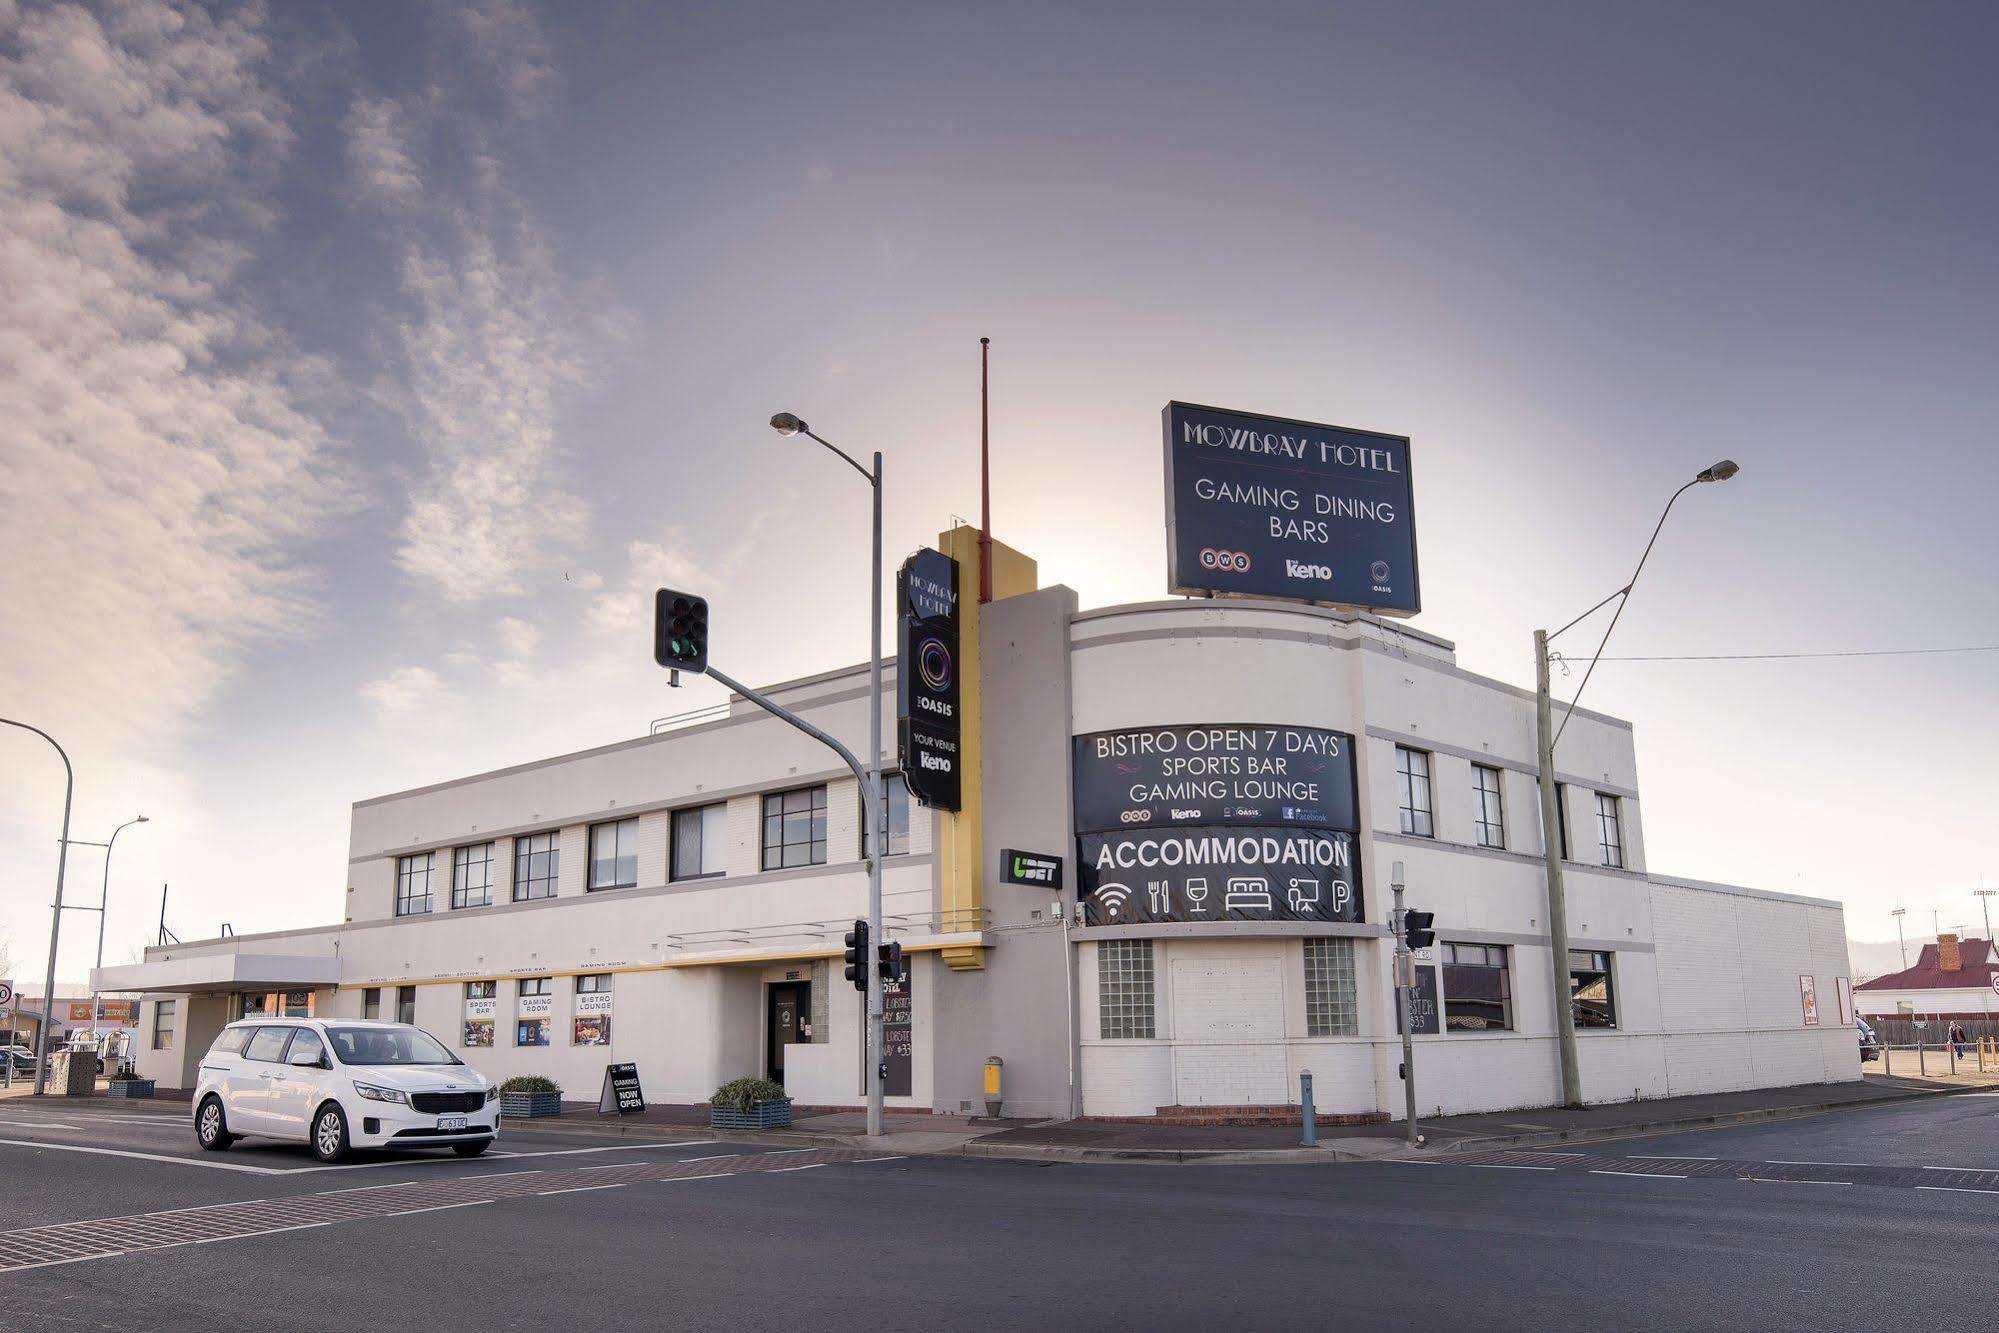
<point x="789" y="1005"/>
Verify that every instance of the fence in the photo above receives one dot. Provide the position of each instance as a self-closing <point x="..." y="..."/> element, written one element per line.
<point x="1899" y="1030"/>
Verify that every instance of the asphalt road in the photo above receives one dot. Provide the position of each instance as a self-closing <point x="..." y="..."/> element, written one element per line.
<point x="1825" y="1223"/>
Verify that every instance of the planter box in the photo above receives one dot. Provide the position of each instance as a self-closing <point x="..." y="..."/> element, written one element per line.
<point x="530" y="1105"/>
<point x="131" y="1087"/>
<point x="765" y="1115"/>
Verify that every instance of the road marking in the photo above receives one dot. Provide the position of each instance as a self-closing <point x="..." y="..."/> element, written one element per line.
<point x="401" y="1184"/>
<point x="1955" y="1189"/>
<point x="1545" y="1152"/>
<point x="584" y="1189"/>
<point x="716" y="1175"/>
<point x="1640" y="1175"/>
<point x="865" y="1160"/>
<point x="1666" y="1157"/>
<point x="1492" y="1166"/>
<point x="809" y="1166"/>
<point x="1960" y="1168"/>
<point x="1779" y="1161"/>
<point x="149" y="1157"/>
<point x="1773" y="1180"/>
<point x="247" y="1168"/>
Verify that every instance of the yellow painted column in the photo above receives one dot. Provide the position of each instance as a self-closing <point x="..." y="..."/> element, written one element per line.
<point x="961" y="842"/>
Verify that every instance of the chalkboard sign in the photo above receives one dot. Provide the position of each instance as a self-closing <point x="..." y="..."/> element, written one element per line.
<point x="621" y="1091"/>
<point x="896" y="1037"/>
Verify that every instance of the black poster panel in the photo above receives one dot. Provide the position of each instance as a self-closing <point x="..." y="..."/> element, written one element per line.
<point x="928" y="721"/>
<point x="1271" y="507"/>
<point x="1423" y="1001"/>
<point x="1217" y="874"/>
<point x="621" y="1091"/>
<point x="1215" y="773"/>
<point x="896" y="1037"/>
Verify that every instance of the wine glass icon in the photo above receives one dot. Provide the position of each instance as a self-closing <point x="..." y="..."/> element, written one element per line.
<point x="1197" y="893"/>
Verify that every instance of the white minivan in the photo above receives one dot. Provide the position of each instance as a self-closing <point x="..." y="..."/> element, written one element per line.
<point x="341" y="1084"/>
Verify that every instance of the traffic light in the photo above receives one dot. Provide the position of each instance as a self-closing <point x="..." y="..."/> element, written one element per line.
<point x="1416" y="932"/>
<point x="680" y="630"/>
<point x="888" y="961"/>
<point x="857" y="955"/>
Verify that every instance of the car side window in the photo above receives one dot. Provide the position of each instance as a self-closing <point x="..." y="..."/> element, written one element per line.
<point x="268" y="1043"/>
<point x="305" y="1042"/>
<point x="230" y="1042"/>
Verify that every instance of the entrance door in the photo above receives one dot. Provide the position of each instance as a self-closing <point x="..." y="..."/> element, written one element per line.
<point x="789" y="1004"/>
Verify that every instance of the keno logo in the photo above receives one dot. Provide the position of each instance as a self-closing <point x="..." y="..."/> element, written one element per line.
<point x="1298" y="569"/>
<point x="1227" y="562"/>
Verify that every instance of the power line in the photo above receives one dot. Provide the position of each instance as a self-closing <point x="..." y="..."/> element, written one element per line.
<point x="1766" y="657"/>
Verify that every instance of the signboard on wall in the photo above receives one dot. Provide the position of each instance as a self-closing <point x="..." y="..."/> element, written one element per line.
<point x="1271" y="507"/>
<point x="1221" y="773"/>
<point x="928" y="721"/>
<point x="1843" y="989"/>
<point x="1216" y="822"/>
<point x="1423" y="1003"/>
<point x="1030" y="868"/>
<point x="897" y="1037"/>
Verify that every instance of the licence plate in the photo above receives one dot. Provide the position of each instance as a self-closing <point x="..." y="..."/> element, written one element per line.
<point x="451" y="1122"/>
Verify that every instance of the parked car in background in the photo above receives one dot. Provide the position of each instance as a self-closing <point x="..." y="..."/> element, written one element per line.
<point x="22" y="1058"/>
<point x="342" y="1084"/>
<point x="1870" y="1044"/>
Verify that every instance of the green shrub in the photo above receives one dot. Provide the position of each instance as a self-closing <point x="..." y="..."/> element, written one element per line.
<point x="124" y="1074"/>
<point x="529" y="1083"/>
<point x="743" y="1094"/>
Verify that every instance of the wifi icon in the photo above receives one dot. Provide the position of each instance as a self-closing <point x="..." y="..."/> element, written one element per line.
<point x="1115" y="899"/>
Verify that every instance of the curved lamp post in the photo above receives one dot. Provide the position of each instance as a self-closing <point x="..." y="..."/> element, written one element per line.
<point x="103" y="901"/>
<point x="1551" y="816"/>
<point x="55" y="928"/>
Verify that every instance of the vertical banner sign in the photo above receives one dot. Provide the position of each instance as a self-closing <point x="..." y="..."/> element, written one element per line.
<point x="926" y="673"/>
<point x="1216" y="822"/>
<point x="896" y="1036"/>
<point x="1269" y="507"/>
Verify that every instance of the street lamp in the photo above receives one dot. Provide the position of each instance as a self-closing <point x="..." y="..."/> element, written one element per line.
<point x="55" y="929"/>
<point x="785" y="423"/>
<point x="103" y="900"/>
<point x="1898" y="913"/>
<point x="1551" y="838"/>
<point x="1984" y="897"/>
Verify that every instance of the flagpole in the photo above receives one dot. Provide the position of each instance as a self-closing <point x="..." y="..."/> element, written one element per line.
<point x="985" y="484"/>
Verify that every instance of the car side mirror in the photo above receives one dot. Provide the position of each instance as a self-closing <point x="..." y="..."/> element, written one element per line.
<point x="309" y="1060"/>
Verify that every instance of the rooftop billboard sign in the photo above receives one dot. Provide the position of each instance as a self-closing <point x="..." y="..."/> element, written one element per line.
<point x="1263" y="506"/>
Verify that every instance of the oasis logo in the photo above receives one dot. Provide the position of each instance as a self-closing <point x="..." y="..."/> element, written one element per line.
<point x="1298" y="569"/>
<point x="1227" y="562"/>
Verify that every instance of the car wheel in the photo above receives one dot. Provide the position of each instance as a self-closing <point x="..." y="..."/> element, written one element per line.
<point x="471" y="1149"/>
<point x="211" y="1130"/>
<point x="329" y="1134"/>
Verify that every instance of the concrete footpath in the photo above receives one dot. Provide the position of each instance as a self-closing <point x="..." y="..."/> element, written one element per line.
<point x="1124" y="1141"/>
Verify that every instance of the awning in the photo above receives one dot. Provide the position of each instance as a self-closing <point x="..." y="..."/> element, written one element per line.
<point x="221" y="972"/>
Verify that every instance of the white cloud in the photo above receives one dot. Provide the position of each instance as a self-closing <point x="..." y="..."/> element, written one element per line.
<point x="160" y="473"/>
<point x="406" y="690"/>
<point x="378" y="155"/>
<point x="517" y="637"/>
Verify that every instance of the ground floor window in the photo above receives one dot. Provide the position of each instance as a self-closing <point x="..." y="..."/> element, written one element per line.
<point x="1590" y="989"/>
<point x="406" y="1005"/>
<point x="1125" y="989"/>
<point x="592" y="1018"/>
<point x="1477" y="990"/>
<point x="371" y="1002"/>
<point x="1331" y="1005"/>
<point x="163" y="1025"/>
<point x="280" y="1004"/>
<point x="482" y="1005"/>
<point x="534" y="1008"/>
<point x="531" y="1032"/>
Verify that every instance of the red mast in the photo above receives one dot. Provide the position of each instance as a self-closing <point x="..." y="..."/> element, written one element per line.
<point x="985" y="485"/>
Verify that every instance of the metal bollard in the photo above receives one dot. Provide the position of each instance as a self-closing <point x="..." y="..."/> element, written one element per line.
<point x="1305" y="1100"/>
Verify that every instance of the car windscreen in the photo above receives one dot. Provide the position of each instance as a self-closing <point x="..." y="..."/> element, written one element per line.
<point x="388" y="1046"/>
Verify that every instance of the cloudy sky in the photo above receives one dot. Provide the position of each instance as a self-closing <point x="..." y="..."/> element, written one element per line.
<point x="363" y="367"/>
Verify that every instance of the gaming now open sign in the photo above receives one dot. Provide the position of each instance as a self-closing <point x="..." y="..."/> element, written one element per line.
<point x="1270" y="507"/>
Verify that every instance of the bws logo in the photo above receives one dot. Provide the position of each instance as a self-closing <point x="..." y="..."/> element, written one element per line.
<point x="1298" y="569"/>
<point x="1225" y="562"/>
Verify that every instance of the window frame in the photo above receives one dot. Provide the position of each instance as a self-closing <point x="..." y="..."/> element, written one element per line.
<point x="169" y="1009"/>
<point x="492" y="990"/>
<point x="406" y="896"/>
<point x="1127" y="990"/>
<point x="1610" y="830"/>
<point x="406" y="996"/>
<point x="371" y="1003"/>
<point x="1334" y="1011"/>
<point x="607" y="988"/>
<point x="524" y="853"/>
<point x="1489" y="818"/>
<point x="1589" y="968"/>
<point x="284" y="1042"/>
<point x="1449" y="959"/>
<point x="674" y="842"/>
<point x="1415" y="821"/>
<point x="816" y="818"/>
<point x="893" y="783"/>
<point x="460" y="892"/>
<point x="618" y="828"/>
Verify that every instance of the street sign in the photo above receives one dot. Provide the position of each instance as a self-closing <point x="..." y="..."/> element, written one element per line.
<point x="928" y="722"/>
<point x="6" y="993"/>
<point x="1995" y="981"/>
<point x="1263" y="506"/>
<point x="621" y="1091"/>
<point x="1030" y="868"/>
<point x="1215" y="773"/>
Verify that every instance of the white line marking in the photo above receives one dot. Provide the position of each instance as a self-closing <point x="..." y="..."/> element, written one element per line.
<point x="1491" y="1166"/>
<point x="1955" y="1189"/>
<point x="581" y="1189"/>
<point x="404" y="1184"/>
<point x="440" y="1208"/>
<point x="1543" y="1152"/>
<point x="675" y="1180"/>
<point x="1663" y="1157"/>
<point x="1772" y="1180"/>
<point x="1961" y="1168"/>
<point x="1641" y="1175"/>
<point x="1779" y="1161"/>
<point x="865" y="1160"/>
<point x="151" y="1157"/>
<point x="780" y="1170"/>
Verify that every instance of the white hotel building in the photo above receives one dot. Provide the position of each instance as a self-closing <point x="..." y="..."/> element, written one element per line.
<point x="678" y="900"/>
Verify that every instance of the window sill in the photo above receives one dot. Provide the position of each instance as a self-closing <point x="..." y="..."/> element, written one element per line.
<point x="690" y="879"/>
<point x="610" y="888"/>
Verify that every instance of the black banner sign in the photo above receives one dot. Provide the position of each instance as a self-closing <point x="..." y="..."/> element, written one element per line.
<point x="1423" y="1002"/>
<point x="621" y="1091"/>
<point x="1235" y="773"/>
<point x="928" y="724"/>
<point x="896" y="1037"/>
<point x="1217" y="874"/>
<point x="1030" y="868"/>
<point x="1271" y="507"/>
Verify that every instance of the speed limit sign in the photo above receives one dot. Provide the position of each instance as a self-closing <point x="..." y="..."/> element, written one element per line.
<point x="6" y="993"/>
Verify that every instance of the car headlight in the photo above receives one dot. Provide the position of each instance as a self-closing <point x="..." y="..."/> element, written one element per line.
<point x="375" y="1094"/>
<point x="492" y="1095"/>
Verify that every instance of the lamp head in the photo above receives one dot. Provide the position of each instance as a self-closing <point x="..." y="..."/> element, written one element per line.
<point x="1721" y="471"/>
<point x="784" y="423"/>
<point x="142" y="820"/>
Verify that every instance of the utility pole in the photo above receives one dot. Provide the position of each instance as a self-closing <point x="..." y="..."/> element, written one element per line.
<point x="1405" y="990"/>
<point x="1984" y="897"/>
